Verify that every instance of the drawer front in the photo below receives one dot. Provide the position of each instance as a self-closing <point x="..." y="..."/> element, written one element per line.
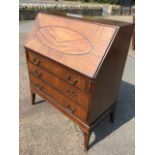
<point x="75" y="94"/>
<point x="44" y="75"/>
<point x="62" y="72"/>
<point x="67" y="89"/>
<point x="69" y="105"/>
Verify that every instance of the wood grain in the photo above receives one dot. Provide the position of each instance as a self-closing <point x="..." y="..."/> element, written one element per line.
<point x="108" y="79"/>
<point x="61" y="38"/>
<point x="67" y="89"/>
<point x="54" y="37"/>
<point x="66" y="74"/>
<point x="68" y="104"/>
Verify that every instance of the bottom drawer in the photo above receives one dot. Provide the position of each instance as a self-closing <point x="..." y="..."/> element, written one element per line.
<point x="69" y="105"/>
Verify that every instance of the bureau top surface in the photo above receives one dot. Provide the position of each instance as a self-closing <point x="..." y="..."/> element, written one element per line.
<point x="77" y="44"/>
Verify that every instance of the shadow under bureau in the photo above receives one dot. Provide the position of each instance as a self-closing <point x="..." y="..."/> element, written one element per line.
<point x="77" y="66"/>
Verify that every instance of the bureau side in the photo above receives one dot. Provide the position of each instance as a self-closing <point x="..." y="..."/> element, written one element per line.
<point x="108" y="78"/>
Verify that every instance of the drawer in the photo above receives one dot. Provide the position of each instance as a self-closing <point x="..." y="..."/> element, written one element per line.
<point x="69" y="105"/>
<point x="62" y="72"/>
<point x="44" y="75"/>
<point x="71" y="91"/>
<point x="75" y="94"/>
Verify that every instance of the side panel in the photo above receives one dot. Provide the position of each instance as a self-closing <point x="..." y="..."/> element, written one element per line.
<point x="107" y="82"/>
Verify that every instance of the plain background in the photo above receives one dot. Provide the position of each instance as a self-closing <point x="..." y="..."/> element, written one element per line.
<point x="145" y="77"/>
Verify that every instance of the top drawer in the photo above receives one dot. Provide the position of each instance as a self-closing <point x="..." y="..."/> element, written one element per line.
<point x="62" y="72"/>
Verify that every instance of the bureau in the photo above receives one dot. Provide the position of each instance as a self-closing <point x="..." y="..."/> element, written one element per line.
<point x="77" y="65"/>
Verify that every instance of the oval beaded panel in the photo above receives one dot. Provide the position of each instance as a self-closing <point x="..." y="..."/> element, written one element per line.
<point x="64" y="40"/>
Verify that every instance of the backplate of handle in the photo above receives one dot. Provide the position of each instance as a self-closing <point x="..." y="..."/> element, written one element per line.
<point x="74" y="93"/>
<point x="73" y="82"/>
<point x="70" y="109"/>
<point x="39" y="86"/>
<point x="35" y="61"/>
<point x="37" y="73"/>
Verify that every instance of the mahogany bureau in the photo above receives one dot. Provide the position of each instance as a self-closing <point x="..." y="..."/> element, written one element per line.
<point x="77" y="66"/>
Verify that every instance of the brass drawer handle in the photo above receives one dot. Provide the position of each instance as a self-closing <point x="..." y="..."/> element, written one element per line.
<point x="70" y="81"/>
<point x="35" y="61"/>
<point x="37" y="73"/>
<point x="74" y="93"/>
<point x="70" y="109"/>
<point x="40" y="87"/>
<point x="68" y="89"/>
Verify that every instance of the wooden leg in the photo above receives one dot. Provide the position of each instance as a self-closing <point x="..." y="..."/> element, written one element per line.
<point x="33" y="96"/>
<point x="112" y="113"/>
<point x="133" y="36"/>
<point x="112" y="117"/>
<point x="86" y="140"/>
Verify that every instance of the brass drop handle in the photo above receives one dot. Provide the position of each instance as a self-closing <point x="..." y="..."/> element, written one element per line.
<point x="70" y="109"/>
<point x="37" y="73"/>
<point x="68" y="89"/>
<point x="35" y="61"/>
<point x="70" y="81"/>
<point x="74" y="93"/>
<point x="40" y="87"/>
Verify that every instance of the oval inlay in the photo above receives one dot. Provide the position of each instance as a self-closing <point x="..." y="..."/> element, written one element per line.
<point x="63" y="40"/>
